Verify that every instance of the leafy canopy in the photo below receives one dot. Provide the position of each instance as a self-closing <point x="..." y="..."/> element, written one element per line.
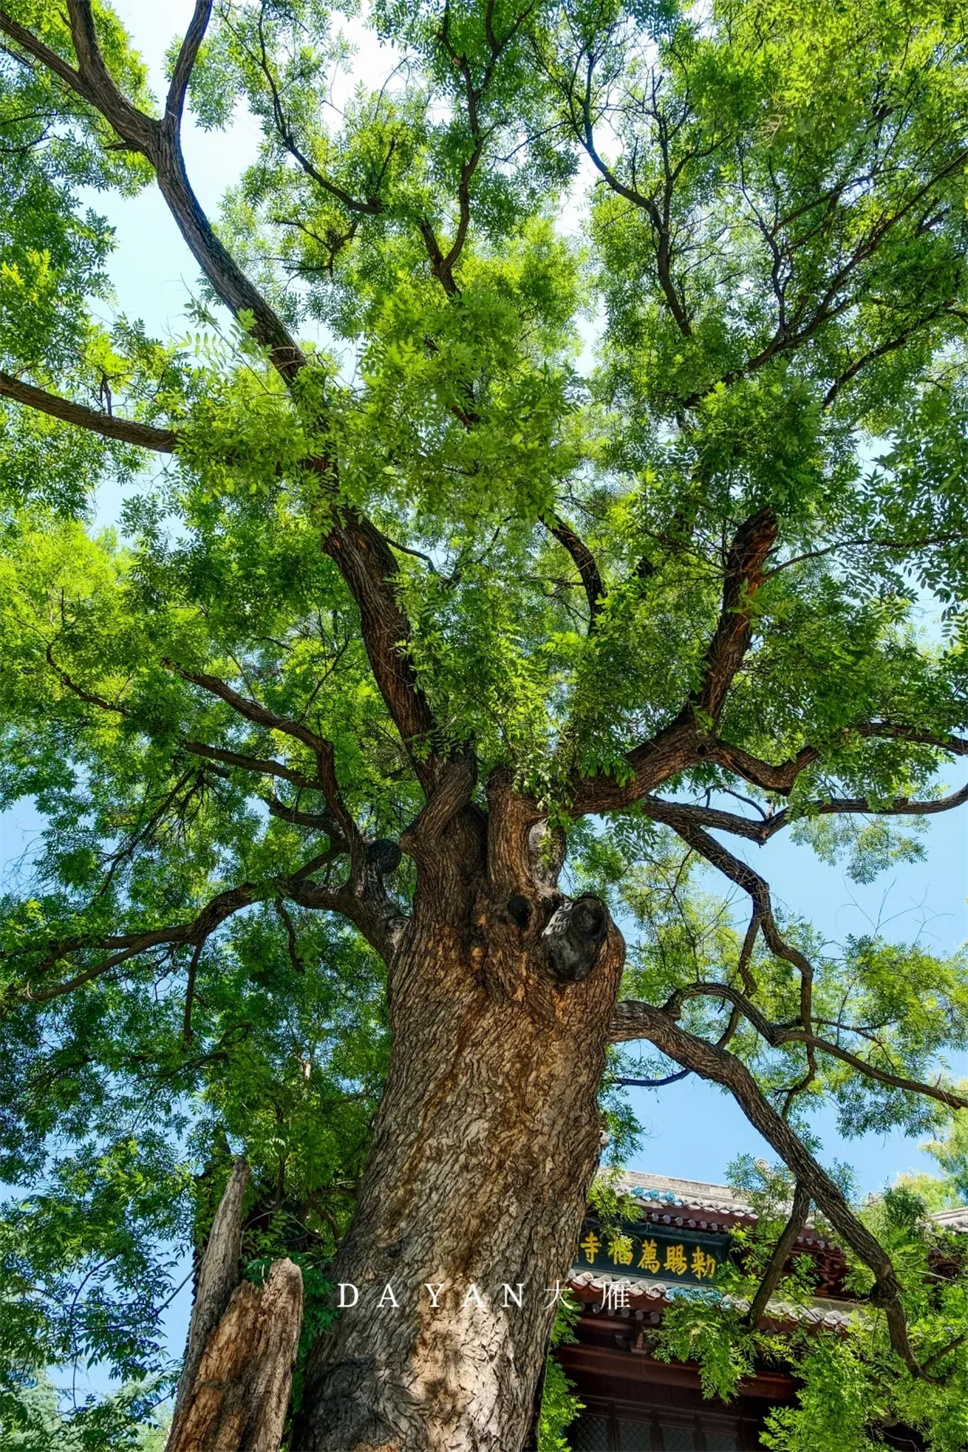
<point x="623" y="449"/>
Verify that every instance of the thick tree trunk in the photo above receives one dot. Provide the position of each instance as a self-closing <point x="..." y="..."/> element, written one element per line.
<point x="486" y="1142"/>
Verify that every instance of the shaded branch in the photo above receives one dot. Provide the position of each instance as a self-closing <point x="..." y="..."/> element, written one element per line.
<point x="251" y="710"/>
<point x="133" y="126"/>
<point x="747" y="554"/>
<point x="585" y="564"/>
<point x="367" y="564"/>
<point x="359" y="550"/>
<point x="762" y="774"/>
<point x="834" y="806"/>
<point x="125" y="431"/>
<point x="195" y="932"/>
<point x="184" y="65"/>
<point x="259" y="765"/>
<point x="647" y="766"/>
<point x="761" y="829"/>
<point x="315" y="821"/>
<point x="721" y="1042"/>
<point x="190" y="992"/>
<point x="262" y="766"/>
<point x="781" y="1254"/>
<point x="635" y="1019"/>
<point x="661" y="810"/>
<point x="582" y="122"/>
<point x="836" y="299"/>
<point x="890" y="345"/>
<point x="373" y="916"/>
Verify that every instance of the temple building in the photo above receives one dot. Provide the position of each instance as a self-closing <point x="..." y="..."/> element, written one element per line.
<point x="636" y="1403"/>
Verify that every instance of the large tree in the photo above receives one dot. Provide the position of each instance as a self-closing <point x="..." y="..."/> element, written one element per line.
<point x="561" y="549"/>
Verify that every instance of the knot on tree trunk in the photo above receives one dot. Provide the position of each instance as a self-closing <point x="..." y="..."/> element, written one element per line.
<point x="573" y="938"/>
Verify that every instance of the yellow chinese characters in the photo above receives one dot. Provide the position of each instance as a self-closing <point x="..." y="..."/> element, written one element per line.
<point x="591" y="1245"/>
<point x="675" y="1260"/>
<point x="649" y="1259"/>
<point x="620" y="1250"/>
<point x="655" y="1257"/>
<point x="703" y="1265"/>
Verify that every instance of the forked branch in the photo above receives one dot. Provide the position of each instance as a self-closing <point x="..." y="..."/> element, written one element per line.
<point x="109" y="426"/>
<point x="639" y="1020"/>
<point x="744" y="573"/>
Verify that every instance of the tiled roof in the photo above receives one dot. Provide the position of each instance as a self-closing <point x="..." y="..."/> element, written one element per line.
<point x="651" y="1297"/>
<point x="697" y="1205"/>
<point x="956" y="1219"/>
<point x="694" y="1194"/>
<point x="660" y="1193"/>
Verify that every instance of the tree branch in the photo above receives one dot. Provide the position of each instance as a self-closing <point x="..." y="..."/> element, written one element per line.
<point x="585" y="564"/>
<point x="132" y="125"/>
<point x="780" y="778"/>
<point x="260" y="766"/>
<point x="760" y="773"/>
<point x="635" y="1019"/>
<point x="761" y="829"/>
<point x="372" y="207"/>
<point x="251" y="710"/>
<point x="647" y="766"/>
<point x="125" y="431"/>
<point x="871" y="1071"/>
<point x="215" y="912"/>
<point x="834" y="806"/>
<point x="751" y="544"/>
<point x="680" y="743"/>
<point x="360" y="551"/>
<point x="190" y="992"/>
<point x="47" y="57"/>
<point x="777" y="1034"/>
<point x="759" y="891"/>
<point x="581" y="120"/>
<point x="754" y="829"/>
<point x="184" y="65"/>
<point x="367" y="564"/>
<point x="370" y="911"/>
<point x="780" y="1256"/>
<point x="357" y="547"/>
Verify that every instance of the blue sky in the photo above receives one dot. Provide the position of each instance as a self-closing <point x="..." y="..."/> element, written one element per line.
<point x="694" y="1130"/>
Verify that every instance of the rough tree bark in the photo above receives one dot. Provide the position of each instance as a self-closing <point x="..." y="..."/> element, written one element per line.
<point x="218" y="1276"/>
<point x="240" y="1395"/>
<point x="236" y="1380"/>
<point x="485" y="1145"/>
